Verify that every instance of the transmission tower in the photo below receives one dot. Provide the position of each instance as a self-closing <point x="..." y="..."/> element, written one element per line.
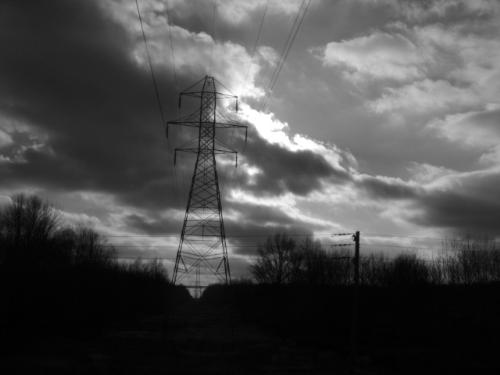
<point x="202" y="250"/>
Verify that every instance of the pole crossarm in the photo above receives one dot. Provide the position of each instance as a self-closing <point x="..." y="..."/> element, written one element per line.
<point x="202" y="245"/>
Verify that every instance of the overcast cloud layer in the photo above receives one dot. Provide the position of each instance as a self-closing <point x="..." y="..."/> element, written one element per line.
<point x="385" y="117"/>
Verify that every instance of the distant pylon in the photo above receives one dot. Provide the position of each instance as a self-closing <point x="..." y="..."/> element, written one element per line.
<point x="202" y="244"/>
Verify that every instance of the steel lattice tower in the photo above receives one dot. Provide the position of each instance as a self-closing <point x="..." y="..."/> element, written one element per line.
<point x="202" y="244"/>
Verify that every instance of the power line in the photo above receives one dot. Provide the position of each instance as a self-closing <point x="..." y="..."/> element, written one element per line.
<point x="299" y="19"/>
<point x="143" y="258"/>
<point x="148" y="55"/>
<point x="416" y="237"/>
<point x="214" y="18"/>
<point x="173" y="171"/>
<point x="315" y="235"/>
<point x="259" y="32"/>
<point x="254" y="245"/>
<point x="286" y="48"/>
<point x="153" y="76"/>
<point x="172" y="52"/>
<point x="377" y="245"/>
<point x="325" y="234"/>
<point x="160" y="246"/>
<point x="257" y="39"/>
<point x="312" y="235"/>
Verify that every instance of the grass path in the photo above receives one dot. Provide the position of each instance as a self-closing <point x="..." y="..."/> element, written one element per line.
<point x="194" y="338"/>
<point x="201" y="338"/>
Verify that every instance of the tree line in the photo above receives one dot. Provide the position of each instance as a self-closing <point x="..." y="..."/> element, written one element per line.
<point x="32" y="234"/>
<point x="58" y="279"/>
<point x="283" y="260"/>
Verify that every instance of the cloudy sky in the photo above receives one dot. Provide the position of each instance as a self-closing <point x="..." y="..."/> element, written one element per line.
<point x="384" y="118"/>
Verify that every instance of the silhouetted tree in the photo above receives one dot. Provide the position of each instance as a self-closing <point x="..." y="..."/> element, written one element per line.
<point x="279" y="260"/>
<point x="70" y="277"/>
<point x="27" y="227"/>
<point x="153" y="269"/>
<point x="407" y="269"/>
<point x="374" y="269"/>
<point x="31" y="234"/>
<point x="320" y="267"/>
<point x="90" y="248"/>
<point x="314" y="266"/>
<point x="471" y="259"/>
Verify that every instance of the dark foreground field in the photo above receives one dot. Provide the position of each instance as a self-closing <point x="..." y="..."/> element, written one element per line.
<point x="248" y="329"/>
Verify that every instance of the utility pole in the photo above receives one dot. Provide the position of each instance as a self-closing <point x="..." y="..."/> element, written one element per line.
<point x="202" y="245"/>
<point x="356" y="238"/>
<point x="355" y="303"/>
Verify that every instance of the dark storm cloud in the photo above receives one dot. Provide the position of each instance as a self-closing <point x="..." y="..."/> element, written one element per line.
<point x="67" y="71"/>
<point x="463" y="202"/>
<point x="262" y="214"/>
<point x="284" y="170"/>
<point x="461" y="212"/>
<point x="261" y="221"/>
<point x="20" y="142"/>
<point x="192" y="15"/>
<point x="387" y="188"/>
<point x="468" y="203"/>
<point x="155" y="226"/>
<point x="240" y="218"/>
<point x="448" y="11"/>
<point x="487" y="119"/>
<point x="246" y="225"/>
<point x="236" y="21"/>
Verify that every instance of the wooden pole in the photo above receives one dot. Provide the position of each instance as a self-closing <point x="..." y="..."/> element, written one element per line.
<point x="355" y="303"/>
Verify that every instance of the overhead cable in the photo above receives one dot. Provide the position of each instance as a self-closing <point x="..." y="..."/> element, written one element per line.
<point x="299" y="19"/>
<point x="148" y="55"/>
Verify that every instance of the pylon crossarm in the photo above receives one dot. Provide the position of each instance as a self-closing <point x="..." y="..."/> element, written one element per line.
<point x="187" y="149"/>
<point x="190" y="149"/>
<point x="229" y="125"/>
<point x="217" y="94"/>
<point x="219" y="152"/>
<point x="218" y="125"/>
<point x="193" y="124"/>
<point x="193" y="150"/>
<point x="223" y="151"/>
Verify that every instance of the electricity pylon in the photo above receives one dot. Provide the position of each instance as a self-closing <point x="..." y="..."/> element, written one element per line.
<point x="203" y="240"/>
